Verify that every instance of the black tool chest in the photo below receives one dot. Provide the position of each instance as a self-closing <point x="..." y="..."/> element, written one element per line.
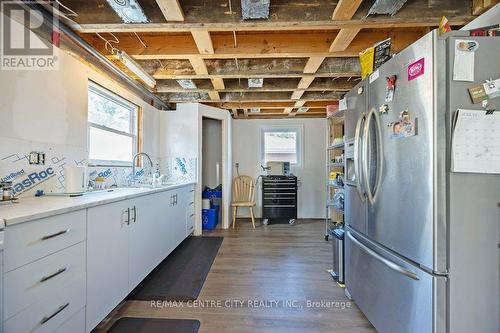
<point x="279" y="198"/>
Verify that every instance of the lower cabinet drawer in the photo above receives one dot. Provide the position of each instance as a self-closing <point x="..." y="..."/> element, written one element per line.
<point x="27" y="242"/>
<point x="75" y="324"/>
<point x="42" y="278"/>
<point x="49" y="313"/>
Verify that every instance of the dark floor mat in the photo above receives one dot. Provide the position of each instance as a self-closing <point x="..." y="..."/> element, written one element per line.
<point x="182" y="274"/>
<point x="154" y="325"/>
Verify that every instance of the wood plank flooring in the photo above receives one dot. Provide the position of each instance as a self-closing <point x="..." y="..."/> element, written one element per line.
<point x="274" y="271"/>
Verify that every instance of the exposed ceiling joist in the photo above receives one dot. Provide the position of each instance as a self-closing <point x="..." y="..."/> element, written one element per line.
<point x="270" y="85"/>
<point x="313" y="64"/>
<point x="171" y="9"/>
<point x="345" y="10"/>
<point x="343" y="39"/>
<point x="259" y="45"/>
<point x="218" y="83"/>
<point x="203" y="41"/>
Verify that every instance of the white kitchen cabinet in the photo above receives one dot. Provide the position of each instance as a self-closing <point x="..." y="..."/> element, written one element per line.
<point x="189" y="209"/>
<point x="107" y="259"/>
<point x="126" y="241"/>
<point x="149" y="235"/>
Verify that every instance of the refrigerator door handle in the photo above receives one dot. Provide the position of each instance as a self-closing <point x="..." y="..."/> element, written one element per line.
<point x="357" y="144"/>
<point x="386" y="262"/>
<point x="372" y="196"/>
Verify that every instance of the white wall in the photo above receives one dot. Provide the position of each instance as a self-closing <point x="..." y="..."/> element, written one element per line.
<point x="47" y="111"/>
<point x="181" y="136"/>
<point x="246" y="152"/>
<point x="212" y="152"/>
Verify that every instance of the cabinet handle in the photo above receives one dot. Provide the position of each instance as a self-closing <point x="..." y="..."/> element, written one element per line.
<point x="59" y="233"/>
<point x="191" y="215"/>
<point x="128" y="216"/>
<point x="191" y="203"/>
<point x="48" y="277"/>
<point x="134" y="218"/>
<point x="59" y="309"/>
<point x="191" y="191"/>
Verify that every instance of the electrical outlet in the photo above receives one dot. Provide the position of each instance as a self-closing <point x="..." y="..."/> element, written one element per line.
<point x="36" y="157"/>
<point x="237" y="165"/>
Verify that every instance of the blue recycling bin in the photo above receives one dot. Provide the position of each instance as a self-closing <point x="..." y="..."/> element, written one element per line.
<point x="209" y="218"/>
<point x="215" y="197"/>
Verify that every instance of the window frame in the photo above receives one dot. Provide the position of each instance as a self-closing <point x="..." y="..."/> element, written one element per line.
<point x="298" y="129"/>
<point x="135" y="117"/>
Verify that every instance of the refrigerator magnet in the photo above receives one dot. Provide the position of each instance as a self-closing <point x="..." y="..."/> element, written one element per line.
<point x="405" y="127"/>
<point x="416" y="69"/>
<point x="391" y="87"/>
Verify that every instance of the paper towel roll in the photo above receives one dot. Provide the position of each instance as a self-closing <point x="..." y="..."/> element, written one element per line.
<point x="206" y="203"/>
<point x="75" y="179"/>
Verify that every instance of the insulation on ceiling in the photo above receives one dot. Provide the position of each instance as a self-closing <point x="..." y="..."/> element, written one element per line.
<point x="390" y="7"/>
<point x="255" y="9"/>
<point x="129" y="11"/>
<point x="187" y="84"/>
<point x="255" y="83"/>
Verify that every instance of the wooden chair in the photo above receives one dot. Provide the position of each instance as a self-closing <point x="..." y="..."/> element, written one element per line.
<point x="243" y="196"/>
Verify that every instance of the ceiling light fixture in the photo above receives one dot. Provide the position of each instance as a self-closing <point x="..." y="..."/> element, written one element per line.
<point x="255" y="110"/>
<point x="303" y="109"/>
<point x="136" y="69"/>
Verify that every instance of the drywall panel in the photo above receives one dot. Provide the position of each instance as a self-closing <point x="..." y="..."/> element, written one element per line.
<point x="47" y="111"/>
<point x="311" y="175"/>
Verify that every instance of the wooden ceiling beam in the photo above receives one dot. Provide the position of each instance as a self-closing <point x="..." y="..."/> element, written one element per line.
<point x="260" y="45"/>
<point x="203" y="41"/>
<point x="343" y="39"/>
<point x="218" y="83"/>
<point x="345" y="10"/>
<point x="312" y="65"/>
<point x="368" y="23"/>
<point x="242" y="90"/>
<point x="198" y="64"/>
<point x="160" y="75"/>
<point x="171" y="9"/>
<point x="214" y="95"/>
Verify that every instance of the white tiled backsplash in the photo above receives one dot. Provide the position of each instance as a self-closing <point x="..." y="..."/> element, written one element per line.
<point x="27" y="179"/>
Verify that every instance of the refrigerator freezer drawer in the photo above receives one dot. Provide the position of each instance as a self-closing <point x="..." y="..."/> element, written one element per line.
<point x="394" y="296"/>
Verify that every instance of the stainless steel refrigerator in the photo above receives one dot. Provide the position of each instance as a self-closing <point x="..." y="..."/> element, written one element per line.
<point x="422" y="242"/>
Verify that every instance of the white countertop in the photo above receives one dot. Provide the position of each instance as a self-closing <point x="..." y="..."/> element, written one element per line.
<point x="31" y="208"/>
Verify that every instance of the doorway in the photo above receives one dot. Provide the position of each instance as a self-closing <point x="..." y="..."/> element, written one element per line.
<point x="211" y="173"/>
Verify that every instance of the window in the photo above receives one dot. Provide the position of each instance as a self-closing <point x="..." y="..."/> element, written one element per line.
<point x="281" y="144"/>
<point x="112" y="128"/>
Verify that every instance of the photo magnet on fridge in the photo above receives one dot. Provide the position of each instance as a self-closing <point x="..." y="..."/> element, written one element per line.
<point x="391" y="87"/>
<point x="404" y="127"/>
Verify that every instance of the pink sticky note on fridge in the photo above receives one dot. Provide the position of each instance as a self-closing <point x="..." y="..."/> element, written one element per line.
<point x="416" y="69"/>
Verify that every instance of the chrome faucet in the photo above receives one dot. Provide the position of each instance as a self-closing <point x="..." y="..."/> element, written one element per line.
<point x="134" y="162"/>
